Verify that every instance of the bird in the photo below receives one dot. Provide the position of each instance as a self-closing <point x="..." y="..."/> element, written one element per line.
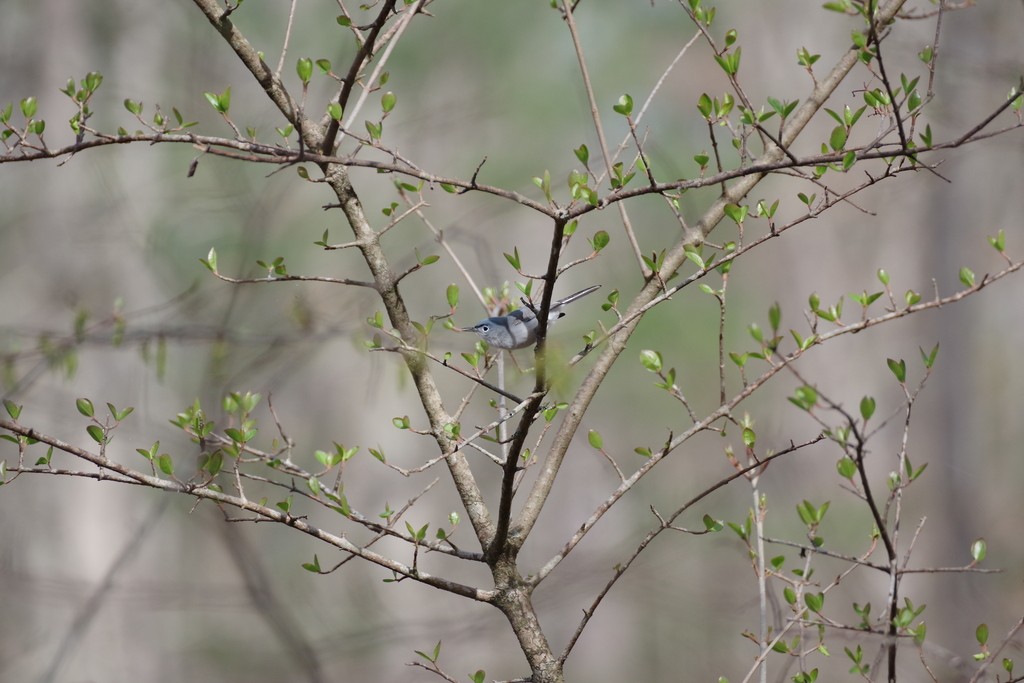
<point x="518" y="329"/>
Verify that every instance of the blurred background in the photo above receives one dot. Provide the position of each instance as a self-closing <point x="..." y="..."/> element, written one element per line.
<point x="107" y="582"/>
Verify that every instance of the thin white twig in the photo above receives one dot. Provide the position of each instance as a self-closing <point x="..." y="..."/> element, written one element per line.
<point x="403" y="23"/>
<point x="287" y="39"/>
<point x="595" y="114"/>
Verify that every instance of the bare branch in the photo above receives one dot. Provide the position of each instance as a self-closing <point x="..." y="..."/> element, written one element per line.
<point x="595" y="114"/>
<point x="261" y="511"/>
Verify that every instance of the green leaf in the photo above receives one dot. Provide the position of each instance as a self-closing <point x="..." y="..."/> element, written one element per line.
<point x="998" y="242"/>
<point x="867" y="407"/>
<point x="624" y="106"/>
<point x="97" y="434"/>
<point x="898" y="368"/>
<point x="736" y="212"/>
<point x="211" y="260"/>
<point x="165" y="464"/>
<point x="478" y="677"/>
<point x="967" y="276"/>
<point x="119" y="415"/>
<point x="814" y="601"/>
<point x="452" y="295"/>
<point x="846" y="468"/>
<point x="345" y="454"/>
<point x="513" y="258"/>
<point x="712" y="524"/>
<point x="838" y="138"/>
<point x="387" y="101"/>
<point x="979" y="549"/>
<point x="730" y="63"/>
<point x="803" y="56"/>
<point x="133" y="107"/>
<point x="324" y="458"/>
<point x="775" y="315"/>
<point x="431" y="658"/>
<point x="805" y="397"/>
<point x="417" y="534"/>
<point x="93" y="80"/>
<point x="304" y="68"/>
<point x="803" y="343"/>
<point x="807" y="512"/>
<point x="214" y="463"/>
<point x="313" y="566"/>
<point x="696" y="258"/>
<point x="600" y="240"/>
<point x="929" y="358"/>
<point x="13" y="409"/>
<point x="334" y="110"/>
<point x="29" y="105"/>
<point x="706" y="107"/>
<point x="44" y="460"/>
<point x="749" y="437"/>
<point x="222" y="102"/>
<point x="651" y="360"/>
<point x="865" y="299"/>
<point x="544" y="183"/>
<point x="85" y="407"/>
<point x="594" y="437"/>
<point x="401" y="422"/>
<point x="582" y="153"/>
<point x="926" y="136"/>
<point x="981" y="633"/>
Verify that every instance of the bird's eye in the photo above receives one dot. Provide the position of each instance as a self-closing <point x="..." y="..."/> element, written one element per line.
<point x="483" y="328"/>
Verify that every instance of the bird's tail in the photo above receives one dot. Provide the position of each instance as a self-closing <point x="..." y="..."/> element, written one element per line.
<point x="578" y="295"/>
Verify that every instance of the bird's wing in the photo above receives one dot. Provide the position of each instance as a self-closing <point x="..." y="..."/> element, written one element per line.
<point x="522" y="325"/>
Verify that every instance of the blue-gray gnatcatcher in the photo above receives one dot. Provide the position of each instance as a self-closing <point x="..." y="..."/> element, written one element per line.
<point x="518" y="329"/>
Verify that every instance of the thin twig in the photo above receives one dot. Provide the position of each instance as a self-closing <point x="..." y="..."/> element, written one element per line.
<point x="287" y="40"/>
<point x="595" y="115"/>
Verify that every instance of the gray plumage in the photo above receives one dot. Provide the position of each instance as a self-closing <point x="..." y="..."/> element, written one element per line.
<point x="518" y="329"/>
